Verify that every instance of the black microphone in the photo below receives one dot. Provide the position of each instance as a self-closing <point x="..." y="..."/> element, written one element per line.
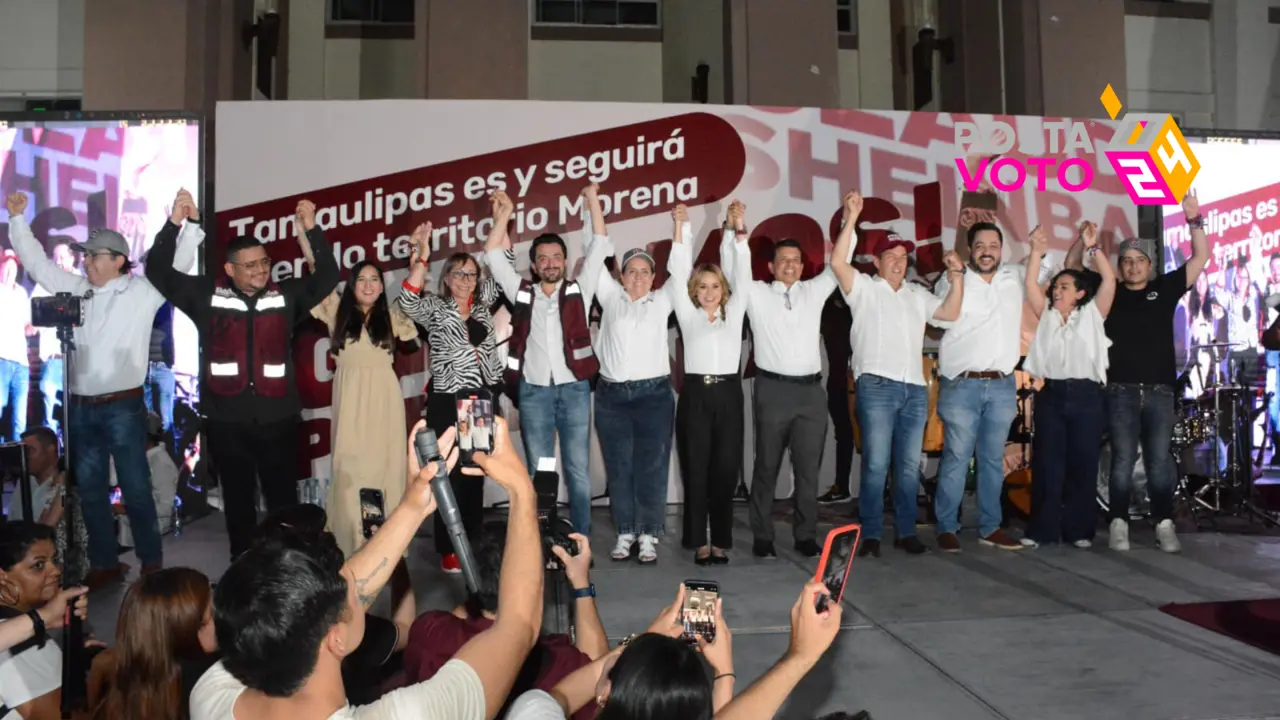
<point x="428" y="449"/>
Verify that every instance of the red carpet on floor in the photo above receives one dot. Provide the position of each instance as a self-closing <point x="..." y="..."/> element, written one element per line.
<point x="1256" y="622"/>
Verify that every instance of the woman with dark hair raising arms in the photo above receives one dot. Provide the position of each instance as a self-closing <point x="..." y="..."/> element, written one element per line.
<point x="463" y="353"/>
<point x="164" y="643"/>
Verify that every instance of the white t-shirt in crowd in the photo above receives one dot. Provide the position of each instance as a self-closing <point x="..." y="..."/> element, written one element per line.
<point x="535" y="705"/>
<point x="453" y="693"/>
<point x="32" y="673"/>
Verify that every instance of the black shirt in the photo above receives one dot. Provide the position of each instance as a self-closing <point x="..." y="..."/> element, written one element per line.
<point x="836" y="322"/>
<point x="1140" y="327"/>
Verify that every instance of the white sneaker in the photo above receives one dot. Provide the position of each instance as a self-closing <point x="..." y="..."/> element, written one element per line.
<point x="1083" y="544"/>
<point x="1029" y="543"/>
<point x="1119" y="535"/>
<point x="1167" y="538"/>
<point x="622" y="550"/>
<point x="648" y="548"/>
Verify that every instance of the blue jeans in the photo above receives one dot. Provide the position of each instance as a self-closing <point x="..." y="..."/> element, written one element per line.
<point x="634" y="421"/>
<point x="1070" y="416"/>
<point x="158" y="392"/>
<point x="976" y="414"/>
<point x="564" y="410"/>
<point x="892" y="416"/>
<point x="15" y="378"/>
<point x="50" y="392"/>
<point x="1273" y="387"/>
<point x="1141" y="414"/>
<point x="116" y="431"/>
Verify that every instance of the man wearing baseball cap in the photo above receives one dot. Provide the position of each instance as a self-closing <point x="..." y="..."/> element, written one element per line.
<point x="889" y="318"/>
<point x="105" y="410"/>
<point x="1142" y="373"/>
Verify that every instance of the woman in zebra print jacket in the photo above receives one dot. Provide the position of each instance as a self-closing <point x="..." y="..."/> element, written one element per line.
<point x="463" y="356"/>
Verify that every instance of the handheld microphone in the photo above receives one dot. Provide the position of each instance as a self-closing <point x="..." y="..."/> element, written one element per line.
<point x="428" y="450"/>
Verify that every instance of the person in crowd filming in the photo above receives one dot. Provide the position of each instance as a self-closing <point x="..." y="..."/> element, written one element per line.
<point x="106" y="412"/>
<point x="709" y="418"/>
<point x="289" y="610"/>
<point x="1069" y="352"/>
<point x="31" y="671"/>
<point x="164" y="643"/>
<point x="437" y="634"/>
<point x="246" y="323"/>
<point x="550" y="361"/>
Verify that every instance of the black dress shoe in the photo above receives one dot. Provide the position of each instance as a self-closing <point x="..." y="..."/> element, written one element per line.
<point x="763" y="550"/>
<point x="808" y="548"/>
<point x="911" y="545"/>
<point x="703" y="559"/>
<point x="869" y="547"/>
<point x="719" y="559"/>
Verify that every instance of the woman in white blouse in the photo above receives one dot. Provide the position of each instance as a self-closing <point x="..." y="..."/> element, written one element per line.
<point x="709" y="424"/>
<point x="1069" y="352"/>
<point x="634" y="404"/>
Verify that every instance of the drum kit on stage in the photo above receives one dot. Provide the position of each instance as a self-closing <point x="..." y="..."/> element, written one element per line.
<point x="1212" y="443"/>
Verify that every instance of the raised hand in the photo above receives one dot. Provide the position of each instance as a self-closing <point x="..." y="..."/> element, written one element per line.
<point x="421" y="242"/>
<point x="668" y="620"/>
<point x="953" y="262"/>
<point x="502" y="463"/>
<point x="306" y="215"/>
<point x="1191" y="204"/>
<point x="737" y="216"/>
<point x="55" y="612"/>
<point x="813" y="632"/>
<point x="16" y="203"/>
<point x="852" y="206"/>
<point x="719" y="652"/>
<point x="1089" y="233"/>
<point x="680" y="214"/>
<point x="501" y="205"/>
<point x="184" y="207"/>
<point x="591" y="192"/>
<point x="1039" y="242"/>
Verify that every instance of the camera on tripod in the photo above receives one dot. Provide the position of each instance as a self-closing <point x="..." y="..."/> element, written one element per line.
<point x="553" y="529"/>
<point x="62" y="310"/>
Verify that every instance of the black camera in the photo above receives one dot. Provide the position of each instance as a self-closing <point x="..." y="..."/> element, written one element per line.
<point x="61" y="310"/>
<point x="555" y="531"/>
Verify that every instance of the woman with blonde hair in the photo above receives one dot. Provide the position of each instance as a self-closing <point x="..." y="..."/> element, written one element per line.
<point x="709" y="418"/>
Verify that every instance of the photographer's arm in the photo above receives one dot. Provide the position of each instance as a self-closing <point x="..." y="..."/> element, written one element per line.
<point x="591" y="637"/>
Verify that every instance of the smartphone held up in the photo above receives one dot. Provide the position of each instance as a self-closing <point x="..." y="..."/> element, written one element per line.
<point x="833" y="568"/>
<point x="474" y="423"/>
<point x="698" y="615"/>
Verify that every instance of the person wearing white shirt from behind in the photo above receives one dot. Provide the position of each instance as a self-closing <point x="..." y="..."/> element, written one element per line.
<point x="889" y="318"/>
<point x="635" y="406"/>
<point x="15" y="328"/>
<point x="1069" y="352"/>
<point x="709" y="419"/>
<point x="106" y="411"/>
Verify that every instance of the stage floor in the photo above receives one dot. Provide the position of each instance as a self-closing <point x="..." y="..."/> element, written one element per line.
<point x="1030" y="635"/>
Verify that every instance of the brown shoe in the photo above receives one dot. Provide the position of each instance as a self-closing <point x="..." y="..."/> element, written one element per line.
<point x="1000" y="539"/>
<point x="949" y="543"/>
<point x="99" y="579"/>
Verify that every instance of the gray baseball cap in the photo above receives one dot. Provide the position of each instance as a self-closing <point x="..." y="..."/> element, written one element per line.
<point x="103" y="239"/>
<point x="1142" y="245"/>
<point x="638" y="253"/>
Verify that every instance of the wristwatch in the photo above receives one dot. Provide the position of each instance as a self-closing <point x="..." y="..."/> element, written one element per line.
<point x="587" y="592"/>
<point x="1196" y="222"/>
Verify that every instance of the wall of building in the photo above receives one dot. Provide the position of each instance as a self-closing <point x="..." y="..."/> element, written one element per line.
<point x="1170" y="67"/>
<point x="41" y="49"/>
<point x="595" y="70"/>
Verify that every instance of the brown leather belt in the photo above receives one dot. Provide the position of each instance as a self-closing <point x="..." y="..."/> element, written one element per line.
<point x="984" y="375"/>
<point x="107" y="398"/>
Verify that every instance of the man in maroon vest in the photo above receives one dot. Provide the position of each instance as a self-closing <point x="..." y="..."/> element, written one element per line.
<point x="550" y="362"/>
<point x="246" y="323"/>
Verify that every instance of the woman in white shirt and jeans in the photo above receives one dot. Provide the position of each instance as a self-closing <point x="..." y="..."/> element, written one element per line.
<point x="1070" y="353"/>
<point x="709" y="418"/>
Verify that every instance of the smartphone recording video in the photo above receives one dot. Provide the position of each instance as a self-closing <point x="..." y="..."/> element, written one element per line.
<point x="372" y="511"/>
<point x="699" y="612"/>
<point x="475" y="424"/>
<point x="833" y="569"/>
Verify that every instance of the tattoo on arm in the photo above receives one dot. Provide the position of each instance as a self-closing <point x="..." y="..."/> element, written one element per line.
<point x="365" y="598"/>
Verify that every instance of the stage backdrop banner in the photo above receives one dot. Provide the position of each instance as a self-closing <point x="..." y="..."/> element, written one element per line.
<point x="378" y="169"/>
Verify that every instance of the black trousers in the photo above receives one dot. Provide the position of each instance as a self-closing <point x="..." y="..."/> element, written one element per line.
<point x="442" y="413"/>
<point x="245" y="455"/>
<point x="709" y="441"/>
<point x="842" y="423"/>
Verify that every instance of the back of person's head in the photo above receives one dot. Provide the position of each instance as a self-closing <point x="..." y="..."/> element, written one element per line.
<point x="656" y="678"/>
<point x="306" y="519"/>
<point x="488" y="552"/>
<point x="164" y="621"/>
<point x="275" y="608"/>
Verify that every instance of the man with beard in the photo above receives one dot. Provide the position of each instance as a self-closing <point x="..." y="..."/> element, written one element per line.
<point x="550" y="362"/>
<point x="978" y="400"/>
<point x="1142" y="373"/>
<point x="246" y="323"/>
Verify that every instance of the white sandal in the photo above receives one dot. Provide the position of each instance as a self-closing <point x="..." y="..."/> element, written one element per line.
<point x="622" y="550"/>
<point x="648" y="548"/>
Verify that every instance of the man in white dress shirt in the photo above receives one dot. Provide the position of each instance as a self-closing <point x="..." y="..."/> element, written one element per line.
<point x="15" y="327"/>
<point x="889" y="318"/>
<point x="108" y="421"/>
<point x="789" y="404"/>
<point x="50" y="347"/>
